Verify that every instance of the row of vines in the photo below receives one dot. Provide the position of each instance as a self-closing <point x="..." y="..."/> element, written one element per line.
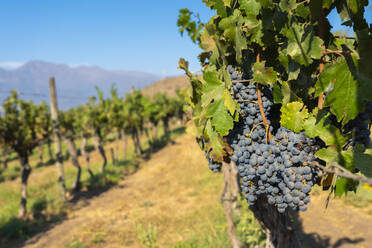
<point x="25" y="126"/>
<point x="282" y="104"/>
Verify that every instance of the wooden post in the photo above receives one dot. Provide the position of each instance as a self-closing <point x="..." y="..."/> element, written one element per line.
<point x="227" y="200"/>
<point x="57" y="136"/>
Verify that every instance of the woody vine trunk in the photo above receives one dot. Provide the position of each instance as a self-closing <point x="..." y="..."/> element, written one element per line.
<point x="97" y="139"/>
<point x="25" y="173"/>
<point x="74" y="158"/>
<point x="86" y="156"/>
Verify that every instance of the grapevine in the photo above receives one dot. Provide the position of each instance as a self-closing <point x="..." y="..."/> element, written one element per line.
<point x="283" y="98"/>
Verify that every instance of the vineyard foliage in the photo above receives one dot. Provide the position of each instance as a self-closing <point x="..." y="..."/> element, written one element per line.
<point x="25" y="125"/>
<point x="321" y="82"/>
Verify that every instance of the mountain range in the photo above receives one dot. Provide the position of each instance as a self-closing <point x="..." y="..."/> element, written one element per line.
<point x="74" y="84"/>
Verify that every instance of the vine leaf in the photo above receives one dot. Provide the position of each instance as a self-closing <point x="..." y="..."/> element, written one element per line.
<point x="363" y="160"/>
<point x="333" y="154"/>
<point x="228" y="25"/>
<point x="364" y="64"/>
<point x="343" y="158"/>
<point x="251" y="7"/>
<point x="277" y="94"/>
<point x="325" y="80"/>
<point x="215" y="141"/>
<point x="343" y="185"/>
<point x="293" y="116"/>
<point x="221" y="119"/>
<point x="303" y="45"/>
<point x="264" y="75"/>
<point x="212" y="89"/>
<point x="293" y="68"/>
<point x="240" y="40"/>
<point x="343" y="100"/>
<point x="219" y="6"/>
<point x="287" y="5"/>
<point x="320" y="125"/>
<point x="229" y="102"/>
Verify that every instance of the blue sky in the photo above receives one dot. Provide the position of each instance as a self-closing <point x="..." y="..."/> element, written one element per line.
<point x="113" y="34"/>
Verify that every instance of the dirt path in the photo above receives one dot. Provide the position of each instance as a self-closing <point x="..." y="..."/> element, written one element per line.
<point x="336" y="226"/>
<point x="165" y="192"/>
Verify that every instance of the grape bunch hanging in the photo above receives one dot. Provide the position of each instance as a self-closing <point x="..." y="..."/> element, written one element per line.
<point x="272" y="161"/>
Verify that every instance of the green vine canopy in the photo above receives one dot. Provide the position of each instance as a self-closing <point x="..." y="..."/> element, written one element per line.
<point x="320" y="81"/>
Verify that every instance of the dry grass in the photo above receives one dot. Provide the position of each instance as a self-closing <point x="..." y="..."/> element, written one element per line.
<point x="180" y="203"/>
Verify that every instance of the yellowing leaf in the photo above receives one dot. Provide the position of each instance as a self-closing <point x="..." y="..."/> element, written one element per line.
<point x="293" y="116"/>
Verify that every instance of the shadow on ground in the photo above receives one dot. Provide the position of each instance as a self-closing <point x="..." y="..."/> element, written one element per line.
<point x="315" y="240"/>
<point x="15" y="232"/>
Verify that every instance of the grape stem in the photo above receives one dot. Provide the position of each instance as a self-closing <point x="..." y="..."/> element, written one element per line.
<point x="242" y="81"/>
<point x="342" y="172"/>
<point x="254" y="127"/>
<point x="322" y="19"/>
<point x="265" y="122"/>
<point x="247" y="101"/>
<point x="303" y="2"/>
<point x="334" y="52"/>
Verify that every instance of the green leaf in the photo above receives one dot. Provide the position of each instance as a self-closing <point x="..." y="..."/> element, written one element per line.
<point x="221" y="119"/>
<point x="277" y="94"/>
<point x="240" y="40"/>
<point x="353" y="5"/>
<point x="343" y="185"/>
<point x="350" y="160"/>
<point x="320" y="125"/>
<point x="267" y="3"/>
<point x="302" y="11"/>
<point x="228" y="25"/>
<point x="363" y="160"/>
<point x="333" y="154"/>
<point x="293" y="116"/>
<point x="229" y="102"/>
<point x="251" y="7"/>
<point x="264" y="75"/>
<point x="343" y="99"/>
<point x="325" y="80"/>
<point x="327" y="3"/>
<point x="212" y="89"/>
<point x="364" y="38"/>
<point x="343" y="158"/>
<point x="293" y="70"/>
<point x="218" y="5"/>
<point x="303" y="45"/>
<point x="287" y="5"/>
<point x="215" y="142"/>
<point x="288" y="94"/>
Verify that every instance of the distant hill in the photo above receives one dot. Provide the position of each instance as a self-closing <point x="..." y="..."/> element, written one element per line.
<point x="167" y="85"/>
<point x="74" y="84"/>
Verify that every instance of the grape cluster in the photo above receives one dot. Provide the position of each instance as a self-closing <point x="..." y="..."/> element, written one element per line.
<point x="360" y="127"/>
<point x="277" y="168"/>
<point x="213" y="165"/>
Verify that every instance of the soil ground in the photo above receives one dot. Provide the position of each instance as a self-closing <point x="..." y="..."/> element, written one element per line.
<point x="171" y="189"/>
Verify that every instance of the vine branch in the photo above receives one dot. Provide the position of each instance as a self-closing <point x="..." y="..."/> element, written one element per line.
<point x="342" y="172"/>
<point x="252" y="101"/>
<point x="339" y="52"/>
<point x="321" y="65"/>
<point x="242" y="81"/>
<point x="265" y="122"/>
